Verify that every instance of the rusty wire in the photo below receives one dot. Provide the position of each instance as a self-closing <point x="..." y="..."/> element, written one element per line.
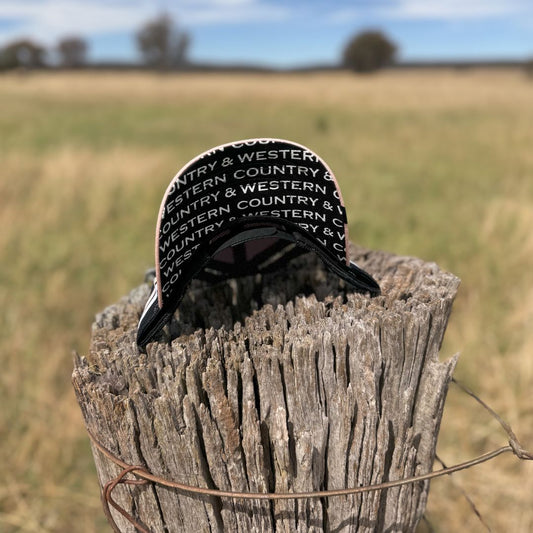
<point x="144" y="476"/>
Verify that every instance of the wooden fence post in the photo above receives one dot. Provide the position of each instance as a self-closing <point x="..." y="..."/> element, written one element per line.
<point x="285" y="384"/>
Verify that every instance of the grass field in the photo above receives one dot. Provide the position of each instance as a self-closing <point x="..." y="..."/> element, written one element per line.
<point x="433" y="164"/>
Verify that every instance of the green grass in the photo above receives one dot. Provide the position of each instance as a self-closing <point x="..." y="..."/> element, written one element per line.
<point x="437" y="165"/>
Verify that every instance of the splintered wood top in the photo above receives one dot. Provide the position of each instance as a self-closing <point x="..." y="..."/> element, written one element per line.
<point x="285" y="383"/>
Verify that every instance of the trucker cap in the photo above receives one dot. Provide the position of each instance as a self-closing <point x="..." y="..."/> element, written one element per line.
<point x="243" y="208"/>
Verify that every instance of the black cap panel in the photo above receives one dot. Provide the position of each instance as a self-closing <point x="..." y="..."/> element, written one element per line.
<point x="254" y="178"/>
<point x="241" y="208"/>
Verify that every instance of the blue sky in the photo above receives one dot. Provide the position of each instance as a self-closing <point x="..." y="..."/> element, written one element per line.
<point x="283" y="33"/>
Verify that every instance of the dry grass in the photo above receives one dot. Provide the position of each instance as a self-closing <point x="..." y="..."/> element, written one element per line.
<point x="434" y="164"/>
<point x="402" y="90"/>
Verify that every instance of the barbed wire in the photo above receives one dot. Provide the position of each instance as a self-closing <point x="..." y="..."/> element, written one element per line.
<point x="465" y="495"/>
<point x="143" y="476"/>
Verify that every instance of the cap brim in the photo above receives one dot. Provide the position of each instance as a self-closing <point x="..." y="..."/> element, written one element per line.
<point x="154" y="316"/>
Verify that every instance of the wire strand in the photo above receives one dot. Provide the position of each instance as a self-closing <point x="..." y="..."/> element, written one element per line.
<point x="144" y="476"/>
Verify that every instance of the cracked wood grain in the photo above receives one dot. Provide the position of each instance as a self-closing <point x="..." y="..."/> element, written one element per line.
<point x="284" y="383"/>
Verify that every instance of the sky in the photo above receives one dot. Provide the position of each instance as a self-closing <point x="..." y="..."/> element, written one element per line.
<point x="282" y="33"/>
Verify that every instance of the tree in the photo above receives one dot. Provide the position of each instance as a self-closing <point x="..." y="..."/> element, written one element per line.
<point x="162" y="44"/>
<point x="369" y="51"/>
<point x="528" y="67"/>
<point x="72" y="51"/>
<point x="22" y="53"/>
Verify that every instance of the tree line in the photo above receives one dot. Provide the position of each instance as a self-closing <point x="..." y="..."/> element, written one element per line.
<point x="163" y="45"/>
<point x="160" y="42"/>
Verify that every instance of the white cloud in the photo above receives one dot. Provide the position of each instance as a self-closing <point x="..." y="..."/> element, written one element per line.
<point x="47" y="20"/>
<point x="433" y="10"/>
<point x="347" y="14"/>
<point x="232" y="12"/>
<point x="454" y="9"/>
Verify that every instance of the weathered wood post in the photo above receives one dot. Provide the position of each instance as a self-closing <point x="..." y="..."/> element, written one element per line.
<point x="294" y="385"/>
